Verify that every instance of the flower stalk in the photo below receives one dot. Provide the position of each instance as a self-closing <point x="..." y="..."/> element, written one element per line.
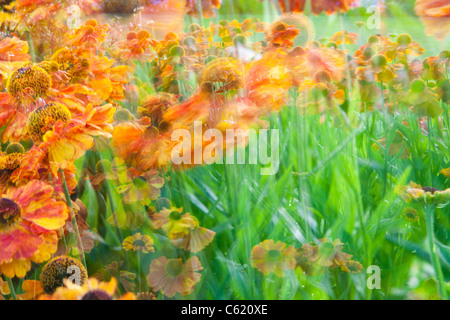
<point x="73" y="218"/>
<point x="429" y="216"/>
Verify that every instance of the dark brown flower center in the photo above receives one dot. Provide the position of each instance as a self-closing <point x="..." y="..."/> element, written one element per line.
<point x="96" y="295"/>
<point x="10" y="214"/>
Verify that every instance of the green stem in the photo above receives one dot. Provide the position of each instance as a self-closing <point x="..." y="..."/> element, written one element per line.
<point x="73" y="217"/>
<point x="11" y="288"/>
<point x="429" y="216"/>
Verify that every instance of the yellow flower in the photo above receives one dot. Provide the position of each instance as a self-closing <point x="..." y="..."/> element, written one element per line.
<point x="411" y="214"/>
<point x="174" y="222"/>
<point x="138" y="242"/>
<point x="225" y="71"/>
<point x="445" y="173"/>
<point x="29" y="80"/>
<point x="91" y="290"/>
<point x="423" y="195"/>
<point x="270" y="256"/>
<point x="44" y="118"/>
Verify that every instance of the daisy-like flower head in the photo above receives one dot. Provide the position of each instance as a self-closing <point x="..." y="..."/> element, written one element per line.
<point x="276" y="257"/>
<point x="225" y="71"/>
<point x="315" y="258"/>
<point x="29" y="220"/>
<point x="59" y="269"/>
<point x="75" y="64"/>
<point x="29" y="80"/>
<point x="140" y="187"/>
<point x="435" y="14"/>
<point x="66" y="139"/>
<point x="174" y="222"/>
<point x="92" y="289"/>
<point x="145" y="296"/>
<point x="196" y="240"/>
<point x="10" y="162"/>
<point x="138" y="242"/>
<point x="44" y="118"/>
<point x="410" y="214"/>
<point x="423" y="195"/>
<point x="282" y="35"/>
<point x="352" y="266"/>
<point x="155" y="105"/>
<point x="172" y="276"/>
<point x="445" y="173"/>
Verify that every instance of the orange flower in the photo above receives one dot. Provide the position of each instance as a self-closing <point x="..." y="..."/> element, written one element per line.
<point x="138" y="242"/>
<point x="154" y="106"/>
<point x="172" y="276"/>
<point x="136" y="46"/>
<point x="14" y="49"/>
<point x="199" y="107"/>
<point x="268" y="79"/>
<point x="282" y="35"/>
<point x="270" y="256"/>
<point x="435" y="14"/>
<point x="29" y="220"/>
<point x="65" y="138"/>
<point x="88" y="36"/>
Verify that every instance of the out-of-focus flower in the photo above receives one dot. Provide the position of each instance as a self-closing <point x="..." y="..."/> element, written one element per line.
<point x="195" y="240"/>
<point x="92" y="289"/>
<point x="172" y="276"/>
<point x="397" y="144"/>
<point x="115" y="270"/>
<point x="319" y="6"/>
<point x="410" y="214"/>
<point x="224" y="71"/>
<point x="174" y="222"/>
<point x="65" y="138"/>
<point x="138" y="242"/>
<point x="445" y="173"/>
<point x="154" y="106"/>
<point x="138" y="187"/>
<point x="208" y="7"/>
<point x="422" y="100"/>
<point x="282" y="35"/>
<point x="435" y="14"/>
<point x="88" y="36"/>
<point x="29" y="220"/>
<point x="315" y="258"/>
<point x="276" y="257"/>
